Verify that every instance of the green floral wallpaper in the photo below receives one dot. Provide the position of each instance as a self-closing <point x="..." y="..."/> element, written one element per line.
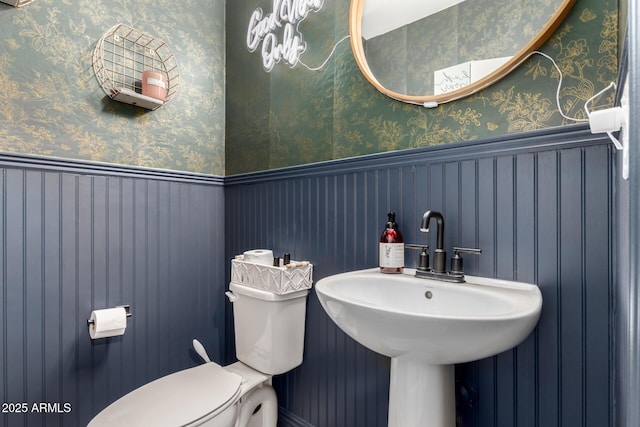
<point x="52" y="105"/>
<point x="294" y="116"/>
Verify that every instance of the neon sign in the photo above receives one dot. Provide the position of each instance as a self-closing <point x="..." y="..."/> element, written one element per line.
<point x="283" y="21"/>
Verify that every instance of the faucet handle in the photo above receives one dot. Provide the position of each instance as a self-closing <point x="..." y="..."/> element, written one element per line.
<point x="423" y="261"/>
<point x="456" y="259"/>
<point x="415" y="247"/>
<point x="467" y="250"/>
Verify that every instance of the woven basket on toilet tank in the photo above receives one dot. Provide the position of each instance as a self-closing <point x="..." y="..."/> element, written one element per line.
<point x="279" y="280"/>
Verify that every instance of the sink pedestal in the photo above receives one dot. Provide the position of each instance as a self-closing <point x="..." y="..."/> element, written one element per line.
<point x="421" y="394"/>
<point x="426" y="326"/>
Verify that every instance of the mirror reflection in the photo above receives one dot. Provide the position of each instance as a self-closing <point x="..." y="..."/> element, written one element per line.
<point x="435" y="48"/>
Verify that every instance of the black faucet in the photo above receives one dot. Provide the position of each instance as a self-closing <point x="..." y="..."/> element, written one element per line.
<point x="439" y="270"/>
<point x="440" y="256"/>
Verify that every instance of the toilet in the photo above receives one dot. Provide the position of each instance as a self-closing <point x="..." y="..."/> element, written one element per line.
<point x="269" y="333"/>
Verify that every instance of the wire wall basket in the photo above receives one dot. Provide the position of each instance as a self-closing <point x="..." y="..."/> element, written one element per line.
<point x="135" y="68"/>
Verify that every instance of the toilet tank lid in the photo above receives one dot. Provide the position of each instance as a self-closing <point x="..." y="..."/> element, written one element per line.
<point x="174" y="400"/>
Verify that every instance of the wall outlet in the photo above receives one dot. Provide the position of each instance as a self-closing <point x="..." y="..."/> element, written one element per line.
<point x="612" y="120"/>
<point x="609" y="120"/>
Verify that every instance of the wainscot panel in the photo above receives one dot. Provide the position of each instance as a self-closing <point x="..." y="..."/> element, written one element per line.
<point x="78" y="237"/>
<point x="538" y="204"/>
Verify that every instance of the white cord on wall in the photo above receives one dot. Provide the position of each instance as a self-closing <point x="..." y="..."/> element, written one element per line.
<point x="433" y="104"/>
<point x="328" y="57"/>
<point x="559" y="84"/>
<point x="590" y="115"/>
<point x="603" y="121"/>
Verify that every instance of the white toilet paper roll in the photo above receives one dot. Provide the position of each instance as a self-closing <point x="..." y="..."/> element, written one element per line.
<point x="109" y="322"/>
<point x="259" y="256"/>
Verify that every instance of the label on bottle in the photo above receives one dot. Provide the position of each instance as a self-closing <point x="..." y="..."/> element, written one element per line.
<point x="392" y="255"/>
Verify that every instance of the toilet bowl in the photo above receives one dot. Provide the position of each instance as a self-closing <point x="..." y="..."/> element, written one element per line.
<point x="269" y="331"/>
<point x="208" y="396"/>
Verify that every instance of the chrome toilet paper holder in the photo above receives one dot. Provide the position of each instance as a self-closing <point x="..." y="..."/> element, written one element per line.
<point x="127" y="310"/>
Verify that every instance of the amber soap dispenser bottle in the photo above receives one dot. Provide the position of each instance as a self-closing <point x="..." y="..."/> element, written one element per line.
<point x="391" y="247"/>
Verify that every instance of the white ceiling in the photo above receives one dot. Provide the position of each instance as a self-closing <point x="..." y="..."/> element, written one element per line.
<point x="382" y="16"/>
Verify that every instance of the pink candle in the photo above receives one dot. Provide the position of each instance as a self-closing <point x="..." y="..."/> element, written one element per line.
<point x="154" y="84"/>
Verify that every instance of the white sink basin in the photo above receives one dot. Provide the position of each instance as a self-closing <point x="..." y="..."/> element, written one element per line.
<point x="460" y="322"/>
<point x="426" y="326"/>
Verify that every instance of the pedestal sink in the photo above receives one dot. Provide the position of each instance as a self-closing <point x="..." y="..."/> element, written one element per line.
<point x="426" y="326"/>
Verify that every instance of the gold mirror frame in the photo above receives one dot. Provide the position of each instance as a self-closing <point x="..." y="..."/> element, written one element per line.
<point x="355" y="30"/>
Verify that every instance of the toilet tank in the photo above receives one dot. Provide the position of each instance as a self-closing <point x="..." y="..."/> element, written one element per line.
<point x="269" y="328"/>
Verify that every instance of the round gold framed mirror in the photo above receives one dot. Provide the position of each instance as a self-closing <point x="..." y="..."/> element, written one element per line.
<point x="428" y="52"/>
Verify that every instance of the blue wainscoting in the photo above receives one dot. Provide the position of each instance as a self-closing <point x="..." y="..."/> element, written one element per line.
<point x="538" y="204"/>
<point x="78" y="237"/>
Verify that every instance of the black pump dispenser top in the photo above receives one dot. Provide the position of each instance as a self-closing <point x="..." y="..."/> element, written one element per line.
<point x="391" y="223"/>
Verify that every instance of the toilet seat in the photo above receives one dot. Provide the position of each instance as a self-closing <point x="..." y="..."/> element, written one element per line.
<point x="183" y="398"/>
